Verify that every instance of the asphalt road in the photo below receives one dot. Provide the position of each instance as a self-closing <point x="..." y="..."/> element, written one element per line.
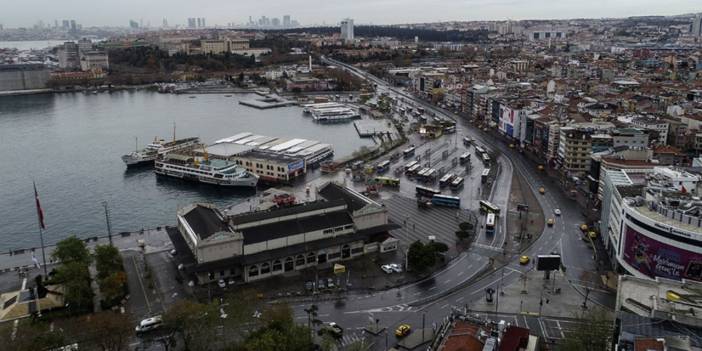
<point x="434" y="297"/>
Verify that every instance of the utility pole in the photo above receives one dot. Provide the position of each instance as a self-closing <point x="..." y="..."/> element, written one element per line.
<point x="107" y="221"/>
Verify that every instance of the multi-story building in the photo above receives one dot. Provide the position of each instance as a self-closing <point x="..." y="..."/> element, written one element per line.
<point x="94" y="60"/>
<point x="68" y="55"/>
<point x="192" y="23"/>
<point x="23" y="76"/>
<point x="347" y="30"/>
<point x="214" y="46"/>
<point x="575" y="147"/>
<point x="657" y="314"/>
<point x="339" y="225"/>
<point x="653" y="223"/>
<point x="657" y="125"/>
<point x="696" y="27"/>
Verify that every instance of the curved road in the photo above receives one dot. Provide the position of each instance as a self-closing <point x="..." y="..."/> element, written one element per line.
<point x="453" y="286"/>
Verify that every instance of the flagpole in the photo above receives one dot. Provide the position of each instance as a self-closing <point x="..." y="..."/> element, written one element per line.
<point x="40" y="223"/>
<point x="43" y="254"/>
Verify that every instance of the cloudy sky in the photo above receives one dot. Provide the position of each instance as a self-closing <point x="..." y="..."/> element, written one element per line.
<point x="118" y="12"/>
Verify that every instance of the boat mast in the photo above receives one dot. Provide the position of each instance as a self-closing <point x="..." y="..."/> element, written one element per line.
<point x="174" y="130"/>
<point x="136" y="144"/>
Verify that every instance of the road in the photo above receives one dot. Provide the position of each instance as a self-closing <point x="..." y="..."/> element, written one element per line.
<point x="455" y="286"/>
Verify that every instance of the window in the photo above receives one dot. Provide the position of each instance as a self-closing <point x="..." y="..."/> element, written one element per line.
<point x="357" y="250"/>
<point x="300" y="260"/>
<point x="338" y="229"/>
<point x="328" y="231"/>
<point x="350" y="226"/>
<point x="265" y="268"/>
<point x="311" y="257"/>
<point x="221" y="273"/>
<point x="253" y="271"/>
<point x="277" y="265"/>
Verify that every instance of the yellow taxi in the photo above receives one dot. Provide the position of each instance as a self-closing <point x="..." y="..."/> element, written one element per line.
<point x="540" y="167"/>
<point x="524" y="260"/>
<point x="402" y="330"/>
<point x="592" y="234"/>
<point x="542" y="190"/>
<point x="550" y="222"/>
<point x="511" y="146"/>
<point x="583" y="227"/>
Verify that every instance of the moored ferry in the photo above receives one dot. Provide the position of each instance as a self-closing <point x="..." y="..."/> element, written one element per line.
<point x="204" y="170"/>
<point x="157" y="148"/>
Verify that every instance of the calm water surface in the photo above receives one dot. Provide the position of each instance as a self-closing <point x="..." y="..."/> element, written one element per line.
<point x="71" y="144"/>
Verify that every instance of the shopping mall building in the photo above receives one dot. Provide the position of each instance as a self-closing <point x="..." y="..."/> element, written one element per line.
<point x="651" y="222"/>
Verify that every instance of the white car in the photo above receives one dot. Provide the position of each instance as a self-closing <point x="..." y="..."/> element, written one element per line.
<point x="395" y="267"/>
<point x="149" y="324"/>
<point x="222" y="284"/>
<point x="387" y="269"/>
<point x="557" y="212"/>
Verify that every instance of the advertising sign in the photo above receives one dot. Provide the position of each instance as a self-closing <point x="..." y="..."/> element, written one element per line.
<point x="656" y="259"/>
<point x="296" y="165"/>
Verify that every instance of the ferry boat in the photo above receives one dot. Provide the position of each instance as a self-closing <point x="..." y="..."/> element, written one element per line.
<point x="203" y="170"/>
<point x="157" y="148"/>
<point x="335" y="115"/>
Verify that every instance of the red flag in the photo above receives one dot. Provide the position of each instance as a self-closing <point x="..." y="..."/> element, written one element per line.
<point x="40" y="212"/>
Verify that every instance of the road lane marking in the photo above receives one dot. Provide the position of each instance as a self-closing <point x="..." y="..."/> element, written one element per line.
<point x="432" y="288"/>
<point x="459" y="299"/>
<point x="447" y="281"/>
<point x="444" y="306"/>
<point x="460" y="273"/>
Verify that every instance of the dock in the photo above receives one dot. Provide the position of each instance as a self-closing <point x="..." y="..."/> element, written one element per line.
<point x="267" y="102"/>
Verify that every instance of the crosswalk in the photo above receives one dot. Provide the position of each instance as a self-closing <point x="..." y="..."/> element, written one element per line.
<point x="350" y="339"/>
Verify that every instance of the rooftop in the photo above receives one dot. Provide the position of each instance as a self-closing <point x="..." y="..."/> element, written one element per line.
<point x="664" y="299"/>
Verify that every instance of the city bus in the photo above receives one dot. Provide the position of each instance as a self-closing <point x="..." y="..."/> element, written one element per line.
<point x="464" y="158"/>
<point x="486" y="159"/>
<point x="430" y="175"/>
<point x="490" y="224"/>
<point x="487" y="207"/>
<point x="382" y="167"/>
<point x="423" y="191"/>
<point x="388" y="181"/>
<point x="445" y="180"/>
<point x="412" y="170"/>
<point x="467" y="141"/>
<point x="409" y="165"/>
<point x="450" y="129"/>
<point x="446" y="201"/>
<point x="479" y="150"/>
<point x="457" y="183"/>
<point x="408" y="152"/>
<point x="422" y="172"/>
<point x="484" y="176"/>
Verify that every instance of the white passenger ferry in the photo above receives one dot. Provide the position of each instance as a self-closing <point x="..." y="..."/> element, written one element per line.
<point x="204" y="170"/>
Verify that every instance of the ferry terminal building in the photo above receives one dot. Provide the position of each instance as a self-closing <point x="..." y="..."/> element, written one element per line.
<point x="340" y="225"/>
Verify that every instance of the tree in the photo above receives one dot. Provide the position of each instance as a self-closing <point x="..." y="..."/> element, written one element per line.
<point x="593" y="332"/>
<point x="437" y="247"/>
<point x="113" y="287"/>
<point x="280" y="333"/>
<point x="419" y="257"/>
<point x="75" y="278"/>
<point x="71" y="249"/>
<point x="30" y="335"/>
<point x="193" y="322"/>
<point x="108" y="331"/>
<point x="107" y="260"/>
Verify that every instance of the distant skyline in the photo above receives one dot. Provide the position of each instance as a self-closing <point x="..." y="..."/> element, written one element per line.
<point x="317" y="12"/>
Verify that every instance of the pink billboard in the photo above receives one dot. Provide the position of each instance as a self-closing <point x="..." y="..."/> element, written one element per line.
<point x="656" y="259"/>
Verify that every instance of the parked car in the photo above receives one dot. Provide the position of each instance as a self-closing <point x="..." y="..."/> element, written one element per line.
<point x="320" y="284"/>
<point x="550" y="222"/>
<point x="149" y="324"/>
<point x="330" y="283"/>
<point x="386" y="268"/>
<point x="557" y="212"/>
<point x="396" y="267"/>
<point x="222" y="284"/>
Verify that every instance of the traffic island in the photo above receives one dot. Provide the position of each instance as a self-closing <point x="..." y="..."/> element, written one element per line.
<point x="374" y="329"/>
<point x="417" y="338"/>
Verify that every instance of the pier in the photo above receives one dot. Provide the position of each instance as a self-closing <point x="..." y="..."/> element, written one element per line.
<point x="267" y="102"/>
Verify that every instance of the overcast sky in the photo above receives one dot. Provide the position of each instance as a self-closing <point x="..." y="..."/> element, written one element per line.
<point x="16" y="13"/>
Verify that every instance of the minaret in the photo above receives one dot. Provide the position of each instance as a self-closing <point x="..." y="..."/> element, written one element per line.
<point x="310" y="63"/>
